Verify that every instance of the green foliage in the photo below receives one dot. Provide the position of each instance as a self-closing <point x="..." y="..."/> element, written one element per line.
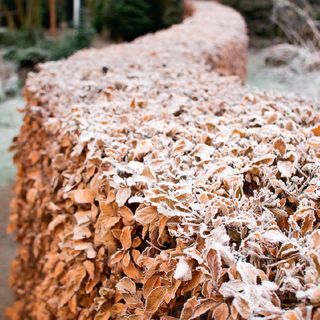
<point x="125" y="19"/>
<point x="28" y="51"/>
<point x="98" y="9"/>
<point x="69" y="44"/>
<point x="27" y="58"/>
<point x="21" y="38"/>
<point x="128" y="19"/>
<point x="173" y="13"/>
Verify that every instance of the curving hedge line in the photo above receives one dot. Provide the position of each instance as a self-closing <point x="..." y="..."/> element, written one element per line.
<point x="151" y="187"/>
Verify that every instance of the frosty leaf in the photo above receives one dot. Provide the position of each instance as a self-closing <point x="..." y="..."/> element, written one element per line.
<point x="82" y="196"/>
<point x="314" y="239"/>
<point x="146" y="215"/>
<point x="188" y="308"/>
<point x="155" y="299"/>
<point x="274" y="236"/>
<point x="280" y="145"/>
<point x="214" y="263"/>
<point x="286" y="168"/>
<point x="183" y="270"/>
<point x="202" y="307"/>
<point x="243" y="306"/>
<point x="221" y="312"/>
<point x="126" y="285"/>
<point x="122" y="196"/>
<point x="125" y="238"/>
<point x="56" y="221"/>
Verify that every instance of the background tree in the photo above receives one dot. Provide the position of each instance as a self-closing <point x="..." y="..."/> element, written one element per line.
<point x="53" y="17"/>
<point x="128" y="19"/>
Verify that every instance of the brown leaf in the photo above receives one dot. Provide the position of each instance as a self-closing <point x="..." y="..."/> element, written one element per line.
<point x="126" y="285"/>
<point x="146" y="215"/>
<point x="202" y="307"/>
<point x="149" y="285"/>
<point x="314" y="240"/>
<point x="122" y="196"/>
<point x="90" y="268"/>
<point x="131" y="271"/>
<point x="82" y="196"/>
<point x="56" y="221"/>
<point x="214" y="263"/>
<point x="291" y="315"/>
<point x="82" y="216"/>
<point x="197" y="277"/>
<point x="280" y="145"/>
<point x="316" y="130"/>
<point x="127" y="216"/>
<point x="188" y="308"/>
<point x="243" y="306"/>
<point x="221" y="312"/>
<point x="32" y="195"/>
<point x="125" y="238"/>
<point x="104" y="224"/>
<point x="108" y="208"/>
<point x="155" y="299"/>
<point x="75" y="276"/>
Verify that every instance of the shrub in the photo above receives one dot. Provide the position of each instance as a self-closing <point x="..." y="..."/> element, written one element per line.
<point x="22" y="38"/>
<point x="173" y="13"/>
<point x="42" y="49"/>
<point x="69" y="44"/>
<point x="10" y="53"/>
<point x="128" y="19"/>
<point x="27" y="58"/>
<point x="99" y="8"/>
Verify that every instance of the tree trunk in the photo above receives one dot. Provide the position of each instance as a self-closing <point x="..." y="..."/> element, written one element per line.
<point x="53" y="17"/>
<point x="20" y="11"/>
<point x="76" y="13"/>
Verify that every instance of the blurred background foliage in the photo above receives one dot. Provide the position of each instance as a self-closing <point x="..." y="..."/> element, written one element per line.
<point x="262" y="16"/>
<point x="34" y="31"/>
<point x="128" y="19"/>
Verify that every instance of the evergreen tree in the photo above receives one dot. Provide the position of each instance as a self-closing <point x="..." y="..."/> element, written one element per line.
<point x="128" y="19"/>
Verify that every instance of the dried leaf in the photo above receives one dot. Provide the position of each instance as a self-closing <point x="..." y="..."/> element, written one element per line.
<point x="126" y="285"/>
<point x="146" y="215"/>
<point x="125" y="238"/>
<point x="122" y="196"/>
<point x="155" y="299"/>
<point x="82" y="196"/>
<point x="316" y="130"/>
<point x="221" y="312"/>
<point x="280" y="145"/>
<point x="286" y="168"/>
<point x="214" y="263"/>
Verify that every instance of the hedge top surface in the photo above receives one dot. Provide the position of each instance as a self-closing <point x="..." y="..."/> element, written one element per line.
<point x="90" y="74"/>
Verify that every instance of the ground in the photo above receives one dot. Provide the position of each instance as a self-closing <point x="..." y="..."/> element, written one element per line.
<point x="285" y="79"/>
<point x="10" y="121"/>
